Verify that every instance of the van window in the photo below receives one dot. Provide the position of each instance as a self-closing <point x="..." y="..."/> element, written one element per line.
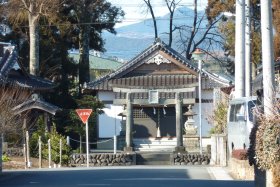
<point x="234" y="110"/>
<point x="231" y="114"/>
<point x="251" y="105"/>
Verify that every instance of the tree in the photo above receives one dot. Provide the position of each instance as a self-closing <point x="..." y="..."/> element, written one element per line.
<point x="171" y="5"/>
<point x="76" y="126"/>
<point x="219" y="117"/>
<point x="89" y="18"/>
<point x="10" y="97"/>
<point x="150" y="9"/>
<point x="227" y="29"/>
<point x="276" y="23"/>
<point x="17" y="10"/>
<point x="189" y="37"/>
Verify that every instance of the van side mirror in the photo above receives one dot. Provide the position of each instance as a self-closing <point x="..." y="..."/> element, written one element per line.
<point x="240" y="117"/>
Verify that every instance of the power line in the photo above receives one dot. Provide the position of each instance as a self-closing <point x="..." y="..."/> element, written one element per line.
<point x="112" y="22"/>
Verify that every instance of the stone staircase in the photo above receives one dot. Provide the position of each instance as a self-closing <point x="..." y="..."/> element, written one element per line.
<point x="154" y="151"/>
<point x="154" y="145"/>
<point x="153" y="158"/>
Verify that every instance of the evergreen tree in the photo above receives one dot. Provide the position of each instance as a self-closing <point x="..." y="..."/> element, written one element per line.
<point x="88" y="19"/>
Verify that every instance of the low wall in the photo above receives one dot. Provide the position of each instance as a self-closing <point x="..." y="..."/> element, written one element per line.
<point x="240" y="169"/>
<point x="190" y="159"/>
<point x="11" y="152"/>
<point x="103" y="159"/>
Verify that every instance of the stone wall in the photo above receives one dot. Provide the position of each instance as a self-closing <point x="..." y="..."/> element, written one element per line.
<point x="190" y="159"/>
<point x="13" y="152"/>
<point x="1" y="154"/>
<point x="240" y="169"/>
<point x="103" y="159"/>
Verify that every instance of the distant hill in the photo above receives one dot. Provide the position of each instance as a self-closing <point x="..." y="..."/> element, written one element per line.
<point x="132" y="39"/>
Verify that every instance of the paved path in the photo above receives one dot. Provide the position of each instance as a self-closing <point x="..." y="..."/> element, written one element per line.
<point x="134" y="176"/>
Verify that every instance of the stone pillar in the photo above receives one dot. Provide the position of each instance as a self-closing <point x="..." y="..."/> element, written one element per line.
<point x="179" y="134"/>
<point x="129" y="116"/>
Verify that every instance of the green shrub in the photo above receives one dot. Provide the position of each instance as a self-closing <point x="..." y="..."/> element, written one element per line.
<point x="219" y="118"/>
<point x="5" y="158"/>
<point x="55" y="146"/>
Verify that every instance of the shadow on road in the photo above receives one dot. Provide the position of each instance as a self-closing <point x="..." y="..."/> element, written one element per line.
<point x="145" y="177"/>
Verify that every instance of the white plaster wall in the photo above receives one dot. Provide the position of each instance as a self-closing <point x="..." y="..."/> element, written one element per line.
<point x="207" y="94"/>
<point x="106" y="96"/>
<point x="206" y="110"/>
<point x="109" y="121"/>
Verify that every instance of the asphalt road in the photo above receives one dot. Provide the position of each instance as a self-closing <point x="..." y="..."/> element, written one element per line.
<point x="145" y="176"/>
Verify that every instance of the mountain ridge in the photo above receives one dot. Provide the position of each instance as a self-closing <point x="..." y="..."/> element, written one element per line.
<point x="139" y="36"/>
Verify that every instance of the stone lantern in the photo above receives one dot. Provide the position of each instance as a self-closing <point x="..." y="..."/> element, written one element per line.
<point x="190" y="128"/>
<point x="191" y="138"/>
<point x="123" y="123"/>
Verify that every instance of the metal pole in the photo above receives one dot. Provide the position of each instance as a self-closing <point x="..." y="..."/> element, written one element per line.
<point x="115" y="144"/>
<point x="267" y="56"/>
<point x="60" y="152"/>
<point x="24" y="153"/>
<point x="239" y="49"/>
<point x="87" y="143"/>
<point x="40" y="152"/>
<point x="199" y="98"/>
<point x="268" y="66"/>
<point x="27" y="150"/>
<point x="50" y="155"/>
<point x="248" y="68"/>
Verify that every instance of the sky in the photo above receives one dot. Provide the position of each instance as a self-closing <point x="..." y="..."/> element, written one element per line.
<point x="135" y="9"/>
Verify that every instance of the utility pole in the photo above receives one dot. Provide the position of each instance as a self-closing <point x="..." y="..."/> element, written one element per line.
<point x="267" y="56"/>
<point x="268" y="65"/>
<point x="240" y="49"/>
<point x="248" y="68"/>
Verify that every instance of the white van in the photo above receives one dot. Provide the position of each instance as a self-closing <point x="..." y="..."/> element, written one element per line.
<point x="240" y="122"/>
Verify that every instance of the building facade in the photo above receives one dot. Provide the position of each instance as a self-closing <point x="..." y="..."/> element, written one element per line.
<point x="147" y="97"/>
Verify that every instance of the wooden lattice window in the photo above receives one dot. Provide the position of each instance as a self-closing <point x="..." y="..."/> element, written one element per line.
<point x="139" y="113"/>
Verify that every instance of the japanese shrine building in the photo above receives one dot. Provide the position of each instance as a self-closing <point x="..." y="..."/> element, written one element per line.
<point x="149" y="95"/>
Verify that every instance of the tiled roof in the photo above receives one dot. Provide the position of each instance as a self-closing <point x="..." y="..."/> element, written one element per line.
<point x="7" y="62"/>
<point x="138" y="60"/>
<point x="30" y="81"/>
<point x="36" y="104"/>
<point x="20" y="77"/>
<point x="98" y="63"/>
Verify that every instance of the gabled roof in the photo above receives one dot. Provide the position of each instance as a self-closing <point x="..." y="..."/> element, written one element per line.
<point x="7" y="62"/>
<point x="258" y="81"/>
<point x="139" y="60"/>
<point x="36" y="103"/>
<point x="12" y="72"/>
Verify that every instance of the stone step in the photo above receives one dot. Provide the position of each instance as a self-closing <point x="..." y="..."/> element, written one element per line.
<point x="149" y="158"/>
<point x="152" y="144"/>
